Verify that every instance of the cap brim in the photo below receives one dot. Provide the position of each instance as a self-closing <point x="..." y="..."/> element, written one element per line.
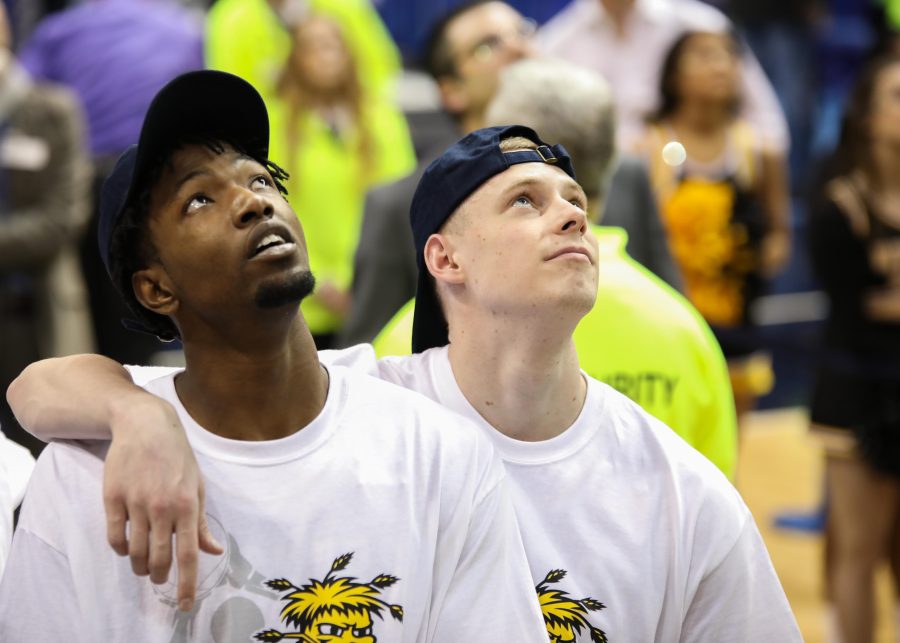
<point x="429" y="323"/>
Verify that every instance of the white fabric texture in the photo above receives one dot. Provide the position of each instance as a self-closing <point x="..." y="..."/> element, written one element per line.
<point x="637" y="520"/>
<point x="582" y="33"/>
<point x="385" y="494"/>
<point x="16" y="465"/>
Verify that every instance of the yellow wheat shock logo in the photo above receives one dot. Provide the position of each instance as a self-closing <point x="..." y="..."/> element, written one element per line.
<point x="564" y="616"/>
<point x="333" y="609"/>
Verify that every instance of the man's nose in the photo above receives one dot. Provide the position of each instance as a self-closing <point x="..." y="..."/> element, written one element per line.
<point x="517" y="48"/>
<point x="572" y="218"/>
<point x="250" y="206"/>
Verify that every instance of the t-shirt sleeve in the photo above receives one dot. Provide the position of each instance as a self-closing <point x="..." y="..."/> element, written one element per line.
<point x="142" y="375"/>
<point x="360" y="358"/>
<point x="491" y="595"/>
<point x="37" y="593"/>
<point x="741" y="598"/>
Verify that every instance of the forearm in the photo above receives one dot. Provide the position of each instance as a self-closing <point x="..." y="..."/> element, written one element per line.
<point x="76" y="397"/>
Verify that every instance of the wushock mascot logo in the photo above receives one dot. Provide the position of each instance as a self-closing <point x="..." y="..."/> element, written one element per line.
<point x="564" y="616"/>
<point x="334" y="609"/>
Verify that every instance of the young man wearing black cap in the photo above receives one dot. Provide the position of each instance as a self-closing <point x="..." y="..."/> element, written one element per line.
<point x="630" y="533"/>
<point x="337" y="498"/>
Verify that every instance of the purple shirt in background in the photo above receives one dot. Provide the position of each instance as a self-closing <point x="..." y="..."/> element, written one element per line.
<point x="115" y="54"/>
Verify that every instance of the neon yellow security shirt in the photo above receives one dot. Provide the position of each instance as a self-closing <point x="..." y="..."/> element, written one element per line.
<point x="644" y="339"/>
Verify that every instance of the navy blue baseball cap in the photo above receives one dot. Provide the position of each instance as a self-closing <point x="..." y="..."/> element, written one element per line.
<point x="446" y="183"/>
<point x="208" y="104"/>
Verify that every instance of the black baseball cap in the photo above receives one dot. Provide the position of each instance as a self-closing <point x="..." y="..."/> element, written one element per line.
<point x="446" y="183"/>
<point x="206" y="103"/>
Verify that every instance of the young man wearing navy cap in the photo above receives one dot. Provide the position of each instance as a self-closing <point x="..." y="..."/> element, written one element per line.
<point x="630" y="533"/>
<point x="347" y="509"/>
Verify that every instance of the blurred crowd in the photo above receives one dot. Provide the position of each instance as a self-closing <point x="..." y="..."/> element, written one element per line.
<point x="716" y="141"/>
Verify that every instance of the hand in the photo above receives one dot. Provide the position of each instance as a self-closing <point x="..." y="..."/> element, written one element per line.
<point x="152" y="482"/>
<point x="775" y="252"/>
<point x="336" y="300"/>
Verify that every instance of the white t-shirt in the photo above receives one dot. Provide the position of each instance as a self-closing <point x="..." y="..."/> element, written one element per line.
<point x="618" y="510"/>
<point x="16" y="465"/>
<point x="385" y="507"/>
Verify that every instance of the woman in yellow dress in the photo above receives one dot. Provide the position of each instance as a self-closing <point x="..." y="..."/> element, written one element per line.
<point x="337" y="135"/>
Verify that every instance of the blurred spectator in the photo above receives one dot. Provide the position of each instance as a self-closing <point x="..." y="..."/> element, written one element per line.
<point x="722" y="194"/>
<point x="336" y="139"/>
<point x="642" y="337"/>
<point x="855" y="245"/>
<point x="626" y="42"/>
<point x="467" y="51"/>
<point x="251" y="38"/>
<point x="115" y="55"/>
<point x="44" y="182"/>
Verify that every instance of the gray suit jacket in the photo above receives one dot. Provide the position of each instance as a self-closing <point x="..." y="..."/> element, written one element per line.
<point x="631" y="204"/>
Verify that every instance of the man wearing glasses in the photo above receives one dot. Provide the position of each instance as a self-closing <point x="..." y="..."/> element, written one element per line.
<point x="466" y="51"/>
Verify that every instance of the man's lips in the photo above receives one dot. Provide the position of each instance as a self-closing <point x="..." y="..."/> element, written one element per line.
<point x="572" y="252"/>
<point x="270" y="239"/>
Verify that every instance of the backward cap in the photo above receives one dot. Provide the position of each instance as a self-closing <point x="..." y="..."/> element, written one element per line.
<point x="207" y="103"/>
<point x="446" y="183"/>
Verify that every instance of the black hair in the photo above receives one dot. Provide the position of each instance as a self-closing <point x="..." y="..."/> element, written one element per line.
<point x="437" y="59"/>
<point x="854" y="148"/>
<point x="131" y="248"/>
<point x="669" y="98"/>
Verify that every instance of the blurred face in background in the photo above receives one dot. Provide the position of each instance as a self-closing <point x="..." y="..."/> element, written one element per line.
<point x="884" y="108"/>
<point x="5" y="41"/>
<point x="708" y="69"/>
<point x="320" y="56"/>
<point x="482" y="41"/>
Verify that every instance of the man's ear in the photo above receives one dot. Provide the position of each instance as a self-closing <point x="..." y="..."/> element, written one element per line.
<point x="440" y="259"/>
<point x="153" y="290"/>
<point x="453" y="96"/>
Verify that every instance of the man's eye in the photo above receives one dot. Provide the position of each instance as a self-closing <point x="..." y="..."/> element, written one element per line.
<point x="523" y="201"/>
<point x="262" y="181"/>
<point x="486" y="48"/>
<point x="578" y="203"/>
<point x="196" y="202"/>
<point x="330" y="630"/>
